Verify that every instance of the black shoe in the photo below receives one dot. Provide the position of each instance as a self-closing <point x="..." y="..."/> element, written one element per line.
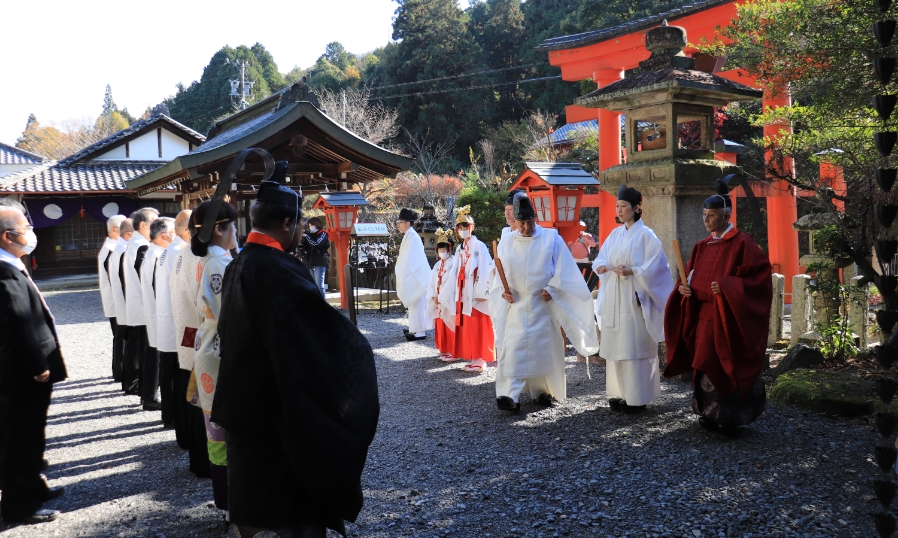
<point x="733" y="432"/>
<point x="544" y="400"/>
<point x="411" y="337"/>
<point x="630" y="409"/>
<point x="707" y="424"/>
<point x="507" y="404"/>
<point x="45" y="465"/>
<point x="614" y="404"/>
<point x="404" y="331"/>
<point x="41" y="516"/>
<point x="53" y="493"/>
<point x="152" y="405"/>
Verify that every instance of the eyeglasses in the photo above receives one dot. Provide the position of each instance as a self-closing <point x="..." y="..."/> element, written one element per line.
<point x="13" y="230"/>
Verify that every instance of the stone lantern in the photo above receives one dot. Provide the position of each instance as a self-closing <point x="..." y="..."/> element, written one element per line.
<point x="669" y="110"/>
<point x="427" y="227"/>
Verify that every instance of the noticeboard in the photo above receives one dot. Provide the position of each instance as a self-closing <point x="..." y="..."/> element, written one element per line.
<point x="370" y="229"/>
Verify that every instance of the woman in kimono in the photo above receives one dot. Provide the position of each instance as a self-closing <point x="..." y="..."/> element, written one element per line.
<point x="442" y="314"/>
<point x="214" y="257"/>
<point x="474" y="337"/>
<point x="635" y="283"/>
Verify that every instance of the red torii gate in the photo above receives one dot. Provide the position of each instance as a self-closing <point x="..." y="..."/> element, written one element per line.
<point x="604" y="55"/>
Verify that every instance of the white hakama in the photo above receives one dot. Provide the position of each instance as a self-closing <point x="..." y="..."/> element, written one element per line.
<point x="630" y="311"/>
<point x="412" y="279"/>
<point x="531" y="354"/>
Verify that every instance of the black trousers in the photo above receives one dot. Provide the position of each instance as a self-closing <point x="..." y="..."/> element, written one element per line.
<point x="168" y="366"/>
<point x="181" y="407"/>
<point x="23" y="415"/>
<point x="149" y="373"/>
<point x="118" y="349"/>
<point x="135" y="350"/>
<point x="199" y="445"/>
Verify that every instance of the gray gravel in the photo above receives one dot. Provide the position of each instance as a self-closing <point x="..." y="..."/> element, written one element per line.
<point x="446" y="462"/>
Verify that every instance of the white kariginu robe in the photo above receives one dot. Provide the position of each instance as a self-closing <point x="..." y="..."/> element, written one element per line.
<point x="412" y="278"/>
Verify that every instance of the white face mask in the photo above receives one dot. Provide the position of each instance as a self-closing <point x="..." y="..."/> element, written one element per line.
<point x="443" y="254"/>
<point x="31" y="239"/>
<point x="464" y="233"/>
<point x="313" y="229"/>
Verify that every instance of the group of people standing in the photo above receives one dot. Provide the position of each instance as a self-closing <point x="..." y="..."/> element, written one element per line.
<point x="272" y="391"/>
<point x="519" y="308"/>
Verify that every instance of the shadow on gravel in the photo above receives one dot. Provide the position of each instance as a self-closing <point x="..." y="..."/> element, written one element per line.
<point x="80" y="383"/>
<point x="87" y="465"/>
<point x="87" y="397"/>
<point x="120" y="432"/>
<point x="92" y="414"/>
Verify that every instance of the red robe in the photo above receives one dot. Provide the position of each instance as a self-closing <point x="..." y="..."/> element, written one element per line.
<point x="724" y="336"/>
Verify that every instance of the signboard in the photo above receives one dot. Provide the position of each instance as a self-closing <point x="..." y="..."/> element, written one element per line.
<point x="370" y="229"/>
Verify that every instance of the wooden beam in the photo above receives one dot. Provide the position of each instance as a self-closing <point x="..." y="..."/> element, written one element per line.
<point x="304" y="168"/>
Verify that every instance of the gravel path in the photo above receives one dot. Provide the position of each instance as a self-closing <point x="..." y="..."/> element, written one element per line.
<point x="446" y="462"/>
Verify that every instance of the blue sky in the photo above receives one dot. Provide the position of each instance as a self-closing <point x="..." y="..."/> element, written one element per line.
<point x="59" y="55"/>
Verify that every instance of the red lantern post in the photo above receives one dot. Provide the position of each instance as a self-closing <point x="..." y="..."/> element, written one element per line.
<point x="340" y="211"/>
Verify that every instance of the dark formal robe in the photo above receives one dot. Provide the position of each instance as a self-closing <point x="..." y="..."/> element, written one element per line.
<point x="724" y="336"/>
<point x="297" y="394"/>
<point x="28" y="347"/>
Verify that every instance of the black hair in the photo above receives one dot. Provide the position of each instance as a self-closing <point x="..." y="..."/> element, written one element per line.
<point x="315" y="221"/>
<point x="227" y="214"/>
<point x="160" y="225"/>
<point x="270" y="215"/>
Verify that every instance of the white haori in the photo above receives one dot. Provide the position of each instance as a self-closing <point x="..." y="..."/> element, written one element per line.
<point x="115" y="282"/>
<point x="630" y="309"/>
<point x="208" y="303"/>
<point x="184" y="283"/>
<point x="133" y="291"/>
<point x="440" y="277"/>
<point x="148" y="290"/>
<point x="105" y="284"/>
<point x="472" y="256"/>
<point x="412" y="278"/>
<point x="530" y="329"/>
<point x="166" y="340"/>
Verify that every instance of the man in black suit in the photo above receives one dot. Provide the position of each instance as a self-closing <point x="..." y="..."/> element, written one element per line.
<point x="30" y="362"/>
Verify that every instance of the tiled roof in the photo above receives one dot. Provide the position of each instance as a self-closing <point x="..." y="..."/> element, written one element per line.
<point x="561" y="173"/>
<point x="79" y="177"/>
<point x="124" y="133"/>
<point x="572" y="132"/>
<point x="14" y="155"/>
<point x="604" y="34"/>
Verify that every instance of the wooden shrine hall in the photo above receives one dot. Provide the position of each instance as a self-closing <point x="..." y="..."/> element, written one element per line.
<point x="323" y="157"/>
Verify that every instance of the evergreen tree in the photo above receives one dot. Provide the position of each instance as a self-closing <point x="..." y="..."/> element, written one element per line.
<point x="109" y="105"/>
<point x="201" y="103"/>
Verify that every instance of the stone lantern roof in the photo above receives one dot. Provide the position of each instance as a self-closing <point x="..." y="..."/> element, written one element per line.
<point x="666" y="75"/>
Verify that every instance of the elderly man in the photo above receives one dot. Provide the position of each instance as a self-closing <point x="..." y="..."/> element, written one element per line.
<point x="117" y="291"/>
<point x="30" y="362"/>
<point x="166" y="335"/>
<point x="413" y="277"/>
<point x="546" y="294"/>
<point x="297" y="386"/>
<point x="136" y="339"/>
<point x="103" y="258"/>
<point x="716" y="325"/>
<point x="160" y="236"/>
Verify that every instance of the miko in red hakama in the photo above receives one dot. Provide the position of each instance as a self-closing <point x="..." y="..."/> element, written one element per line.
<point x="722" y="338"/>
<point x="443" y="335"/>
<point x="474" y="337"/>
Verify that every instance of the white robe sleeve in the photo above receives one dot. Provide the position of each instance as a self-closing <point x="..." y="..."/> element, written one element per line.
<point x="571" y="301"/>
<point x="654" y="283"/>
<point x="412" y="269"/>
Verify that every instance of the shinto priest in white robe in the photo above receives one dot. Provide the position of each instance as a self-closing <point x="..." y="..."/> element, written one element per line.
<point x="412" y="279"/>
<point x="531" y="353"/>
<point x="630" y="310"/>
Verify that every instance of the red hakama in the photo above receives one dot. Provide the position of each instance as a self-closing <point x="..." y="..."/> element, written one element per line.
<point x="473" y="336"/>
<point x="443" y="337"/>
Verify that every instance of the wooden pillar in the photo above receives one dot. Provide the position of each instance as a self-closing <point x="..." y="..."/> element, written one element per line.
<point x="609" y="153"/>
<point x="832" y="176"/>
<point x="341" y="240"/>
<point x="782" y="209"/>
